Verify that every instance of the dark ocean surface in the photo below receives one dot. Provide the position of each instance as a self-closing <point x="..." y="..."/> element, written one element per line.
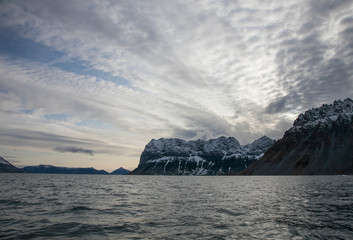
<point x="46" y="206"/>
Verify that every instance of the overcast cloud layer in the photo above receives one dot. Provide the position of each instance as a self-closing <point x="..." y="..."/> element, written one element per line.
<point x="104" y="77"/>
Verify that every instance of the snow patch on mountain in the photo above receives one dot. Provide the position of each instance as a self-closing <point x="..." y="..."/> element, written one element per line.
<point x="319" y="142"/>
<point x="199" y="157"/>
<point x="325" y="116"/>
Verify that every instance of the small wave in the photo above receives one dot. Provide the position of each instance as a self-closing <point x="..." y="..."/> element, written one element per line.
<point x="229" y="212"/>
<point x="16" y="203"/>
<point x="125" y="227"/>
<point x="80" y="208"/>
<point x="348" y="207"/>
<point x="10" y="202"/>
<point x="222" y="226"/>
<point x="120" y="195"/>
<point x="64" y="230"/>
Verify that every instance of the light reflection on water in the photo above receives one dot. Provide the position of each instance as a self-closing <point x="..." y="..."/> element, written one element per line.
<point x="175" y="207"/>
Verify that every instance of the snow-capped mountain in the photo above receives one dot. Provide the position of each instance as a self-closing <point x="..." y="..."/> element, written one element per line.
<point x="325" y="116"/>
<point x="319" y="142"/>
<point x="5" y="166"/>
<point x="174" y="156"/>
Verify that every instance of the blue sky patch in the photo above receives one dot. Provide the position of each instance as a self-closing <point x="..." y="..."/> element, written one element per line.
<point x="14" y="44"/>
<point x="84" y="68"/>
<point x="62" y="117"/>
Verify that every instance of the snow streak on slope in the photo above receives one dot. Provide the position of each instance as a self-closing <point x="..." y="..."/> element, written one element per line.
<point x="199" y="157"/>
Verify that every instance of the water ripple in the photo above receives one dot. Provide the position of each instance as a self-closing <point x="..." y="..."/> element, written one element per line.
<point x="159" y="207"/>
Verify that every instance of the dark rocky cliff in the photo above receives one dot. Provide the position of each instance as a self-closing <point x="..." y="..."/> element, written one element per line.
<point x="320" y="142"/>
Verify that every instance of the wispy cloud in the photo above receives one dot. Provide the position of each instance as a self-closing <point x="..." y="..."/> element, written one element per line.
<point x="154" y="69"/>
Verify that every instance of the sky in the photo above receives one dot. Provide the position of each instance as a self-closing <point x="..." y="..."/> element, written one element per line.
<point x="90" y="83"/>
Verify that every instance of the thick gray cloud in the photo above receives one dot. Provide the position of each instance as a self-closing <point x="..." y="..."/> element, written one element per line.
<point x="277" y="106"/>
<point x="73" y="149"/>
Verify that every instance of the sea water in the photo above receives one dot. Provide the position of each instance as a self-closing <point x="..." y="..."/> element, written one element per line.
<point x="49" y="206"/>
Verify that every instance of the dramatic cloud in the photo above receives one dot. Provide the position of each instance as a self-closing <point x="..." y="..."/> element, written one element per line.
<point x="277" y="106"/>
<point x="111" y="75"/>
<point x="313" y="64"/>
<point x="74" y="150"/>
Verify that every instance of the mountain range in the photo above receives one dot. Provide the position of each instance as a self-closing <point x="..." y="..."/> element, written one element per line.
<point x="6" y="167"/>
<point x="64" y="170"/>
<point x="173" y="156"/>
<point x="319" y="142"/>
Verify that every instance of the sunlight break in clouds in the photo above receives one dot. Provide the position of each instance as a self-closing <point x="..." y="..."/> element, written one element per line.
<point x="107" y="76"/>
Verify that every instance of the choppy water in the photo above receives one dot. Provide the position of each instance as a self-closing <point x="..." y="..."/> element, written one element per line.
<point x="43" y="206"/>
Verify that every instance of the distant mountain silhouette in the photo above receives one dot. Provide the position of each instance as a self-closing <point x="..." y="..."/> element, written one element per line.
<point x="67" y="170"/>
<point x="62" y="170"/>
<point x="120" y="171"/>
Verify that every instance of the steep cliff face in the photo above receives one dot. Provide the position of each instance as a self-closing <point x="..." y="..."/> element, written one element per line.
<point x="320" y="142"/>
<point x="215" y="156"/>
